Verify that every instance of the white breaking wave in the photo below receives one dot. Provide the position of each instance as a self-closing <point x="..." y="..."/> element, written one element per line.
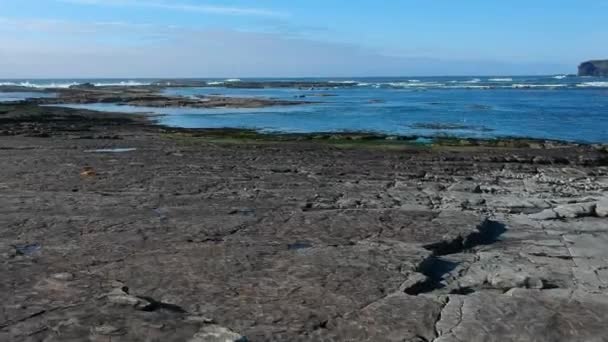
<point x="216" y="83"/>
<point x="56" y="85"/>
<point x="468" y="87"/>
<point x="28" y="84"/>
<point x="413" y="85"/>
<point x="343" y="82"/>
<point x="593" y="85"/>
<point x="560" y="77"/>
<point x="524" y="86"/>
<point x="475" y="80"/>
<point x="122" y="83"/>
<point x="500" y="80"/>
<point x="233" y="80"/>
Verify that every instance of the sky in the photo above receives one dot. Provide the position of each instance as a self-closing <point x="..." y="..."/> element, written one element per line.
<point x="298" y="38"/>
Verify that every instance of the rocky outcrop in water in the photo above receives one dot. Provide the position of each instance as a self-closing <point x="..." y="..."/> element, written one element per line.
<point x="594" y="68"/>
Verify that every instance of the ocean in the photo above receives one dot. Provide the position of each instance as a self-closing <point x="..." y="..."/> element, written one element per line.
<point x="559" y="107"/>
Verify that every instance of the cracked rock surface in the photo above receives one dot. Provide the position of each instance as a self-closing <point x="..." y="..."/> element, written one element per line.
<point x="200" y="241"/>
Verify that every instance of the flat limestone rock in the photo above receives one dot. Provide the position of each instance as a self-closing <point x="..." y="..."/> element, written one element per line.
<point x="575" y="210"/>
<point x="523" y="315"/>
<point x="188" y="237"/>
<point x="567" y="211"/>
<point x="378" y="321"/>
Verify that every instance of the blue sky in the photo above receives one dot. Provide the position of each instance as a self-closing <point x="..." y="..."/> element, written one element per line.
<point x="188" y="38"/>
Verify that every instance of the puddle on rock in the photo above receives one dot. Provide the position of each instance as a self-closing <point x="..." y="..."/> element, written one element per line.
<point x="27" y="249"/>
<point x="299" y="245"/>
<point x="111" y="150"/>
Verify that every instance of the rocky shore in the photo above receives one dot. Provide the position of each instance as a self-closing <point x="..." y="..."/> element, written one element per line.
<point x="115" y="229"/>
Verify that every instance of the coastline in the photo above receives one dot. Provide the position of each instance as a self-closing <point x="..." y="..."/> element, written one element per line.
<point x="119" y="226"/>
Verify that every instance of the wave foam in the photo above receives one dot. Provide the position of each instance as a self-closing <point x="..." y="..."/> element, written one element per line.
<point x="560" y="77"/>
<point x="501" y="79"/>
<point x="122" y="83"/>
<point x="468" y="87"/>
<point x="413" y="85"/>
<point x="593" y="85"/>
<point x="343" y="82"/>
<point x="28" y="84"/>
<point x="527" y="86"/>
<point x="64" y="85"/>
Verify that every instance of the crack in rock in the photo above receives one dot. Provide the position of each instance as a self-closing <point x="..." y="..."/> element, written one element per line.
<point x="434" y="268"/>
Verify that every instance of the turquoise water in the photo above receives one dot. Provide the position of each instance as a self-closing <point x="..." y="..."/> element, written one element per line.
<point x="549" y="107"/>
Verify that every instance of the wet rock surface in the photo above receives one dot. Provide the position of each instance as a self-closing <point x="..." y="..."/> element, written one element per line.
<point x="195" y="240"/>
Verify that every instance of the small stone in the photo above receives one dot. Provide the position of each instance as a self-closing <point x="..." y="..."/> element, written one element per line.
<point x="216" y="333"/>
<point x="200" y="319"/>
<point x="541" y="160"/>
<point x="88" y="171"/>
<point x="601" y="208"/>
<point x="64" y="276"/>
<point x="120" y="297"/>
<point x="534" y="283"/>
<point x="507" y="279"/>
<point x="473" y="201"/>
<point x="108" y="330"/>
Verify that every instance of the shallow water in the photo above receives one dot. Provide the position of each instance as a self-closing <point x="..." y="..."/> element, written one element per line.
<point x="549" y="107"/>
<point x="19" y="96"/>
<point x="111" y="150"/>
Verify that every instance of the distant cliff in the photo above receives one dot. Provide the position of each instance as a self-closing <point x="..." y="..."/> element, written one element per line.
<point x="594" y="68"/>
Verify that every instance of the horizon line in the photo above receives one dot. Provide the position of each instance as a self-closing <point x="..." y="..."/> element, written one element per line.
<point x="276" y="77"/>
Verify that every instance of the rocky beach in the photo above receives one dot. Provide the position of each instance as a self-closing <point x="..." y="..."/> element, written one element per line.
<point x="114" y="228"/>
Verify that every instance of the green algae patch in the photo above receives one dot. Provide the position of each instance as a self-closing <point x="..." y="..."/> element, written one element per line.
<point x="352" y="140"/>
<point x="341" y="140"/>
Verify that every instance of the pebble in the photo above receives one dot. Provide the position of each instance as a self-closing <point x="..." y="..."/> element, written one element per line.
<point x="64" y="276"/>
<point x="216" y="333"/>
<point x="108" y="330"/>
<point x="120" y="297"/>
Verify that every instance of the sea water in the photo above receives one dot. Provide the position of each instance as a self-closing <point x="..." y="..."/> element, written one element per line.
<point x="546" y="107"/>
<point x="22" y="95"/>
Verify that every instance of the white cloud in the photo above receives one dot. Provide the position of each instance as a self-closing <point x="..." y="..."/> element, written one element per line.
<point x="184" y="7"/>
